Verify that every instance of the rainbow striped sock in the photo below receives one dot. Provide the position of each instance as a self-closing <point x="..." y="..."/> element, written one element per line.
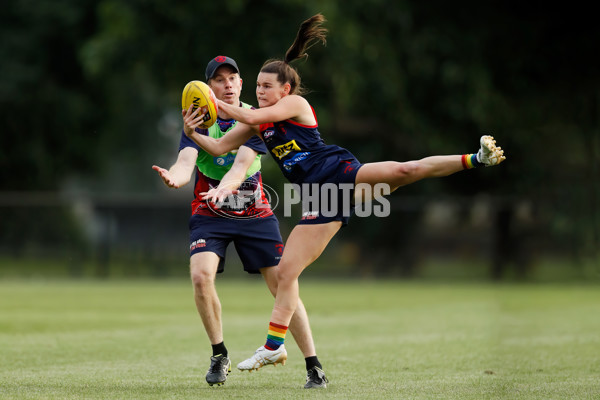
<point x="276" y="336"/>
<point x="470" y="161"/>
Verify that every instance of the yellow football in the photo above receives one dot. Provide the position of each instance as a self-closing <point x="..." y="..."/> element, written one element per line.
<point x="199" y="95"/>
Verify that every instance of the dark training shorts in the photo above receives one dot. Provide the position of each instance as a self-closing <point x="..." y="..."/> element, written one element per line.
<point x="339" y="202"/>
<point x="256" y="240"/>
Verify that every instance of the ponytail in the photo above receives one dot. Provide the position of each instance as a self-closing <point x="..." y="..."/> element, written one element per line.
<point x="309" y="32"/>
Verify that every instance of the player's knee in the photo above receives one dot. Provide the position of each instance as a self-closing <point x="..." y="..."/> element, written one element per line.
<point x="406" y="169"/>
<point x="285" y="278"/>
<point x="406" y="172"/>
<point x="201" y="278"/>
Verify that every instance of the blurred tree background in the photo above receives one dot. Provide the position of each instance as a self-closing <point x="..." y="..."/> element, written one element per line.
<point x="90" y="100"/>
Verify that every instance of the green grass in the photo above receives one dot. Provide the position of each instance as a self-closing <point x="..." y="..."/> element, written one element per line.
<point x="376" y="340"/>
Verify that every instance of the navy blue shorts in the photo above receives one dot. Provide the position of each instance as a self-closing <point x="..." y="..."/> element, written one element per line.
<point x="256" y="240"/>
<point x="336" y="194"/>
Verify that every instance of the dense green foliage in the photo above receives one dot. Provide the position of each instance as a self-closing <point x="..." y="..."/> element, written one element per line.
<point x="89" y="92"/>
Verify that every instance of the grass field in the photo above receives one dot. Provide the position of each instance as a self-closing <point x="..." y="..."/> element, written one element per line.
<point x="376" y="340"/>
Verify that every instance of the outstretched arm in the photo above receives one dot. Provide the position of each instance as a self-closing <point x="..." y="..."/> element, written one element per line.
<point x="289" y="107"/>
<point x="180" y="173"/>
<point x="234" y="177"/>
<point x="215" y="147"/>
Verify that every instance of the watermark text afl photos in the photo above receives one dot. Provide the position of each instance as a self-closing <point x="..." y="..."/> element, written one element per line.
<point x="317" y="200"/>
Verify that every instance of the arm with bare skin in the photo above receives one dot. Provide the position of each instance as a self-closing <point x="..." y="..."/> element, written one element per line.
<point x="289" y="107"/>
<point x="234" y="177"/>
<point x="215" y="147"/>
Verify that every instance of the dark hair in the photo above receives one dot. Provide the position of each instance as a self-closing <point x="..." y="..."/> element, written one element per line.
<point x="309" y="32"/>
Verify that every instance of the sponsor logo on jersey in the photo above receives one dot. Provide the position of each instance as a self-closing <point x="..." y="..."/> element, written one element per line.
<point x="224" y="159"/>
<point x="197" y="244"/>
<point x="284" y="149"/>
<point x="290" y="163"/>
<point x="310" y="215"/>
<point x="268" y="134"/>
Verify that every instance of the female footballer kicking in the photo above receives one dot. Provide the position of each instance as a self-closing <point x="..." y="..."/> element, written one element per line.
<point x="288" y="125"/>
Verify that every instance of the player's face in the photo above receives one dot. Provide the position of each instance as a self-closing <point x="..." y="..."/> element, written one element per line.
<point x="269" y="90"/>
<point x="227" y="85"/>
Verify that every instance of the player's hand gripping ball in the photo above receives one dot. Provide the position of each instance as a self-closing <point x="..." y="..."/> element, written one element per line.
<point x="198" y="94"/>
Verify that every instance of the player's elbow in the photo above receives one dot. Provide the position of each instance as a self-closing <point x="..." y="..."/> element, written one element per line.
<point x="213" y="152"/>
<point x="216" y="149"/>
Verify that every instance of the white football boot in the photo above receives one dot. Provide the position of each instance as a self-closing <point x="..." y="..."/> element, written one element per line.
<point x="264" y="357"/>
<point x="489" y="154"/>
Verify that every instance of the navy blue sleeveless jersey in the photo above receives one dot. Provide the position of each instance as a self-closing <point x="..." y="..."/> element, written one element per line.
<point x="303" y="156"/>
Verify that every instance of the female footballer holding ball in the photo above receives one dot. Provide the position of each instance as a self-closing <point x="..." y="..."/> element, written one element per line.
<point x="288" y="125"/>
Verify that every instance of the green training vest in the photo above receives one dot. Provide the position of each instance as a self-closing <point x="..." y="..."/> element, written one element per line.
<point x="217" y="167"/>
